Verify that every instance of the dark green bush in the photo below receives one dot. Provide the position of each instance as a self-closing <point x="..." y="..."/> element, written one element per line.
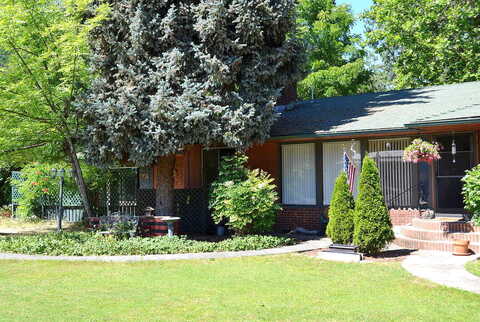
<point x="340" y="225"/>
<point x="84" y="244"/>
<point x="373" y="229"/>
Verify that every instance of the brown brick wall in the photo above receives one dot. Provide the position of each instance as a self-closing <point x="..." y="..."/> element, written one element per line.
<point x="402" y="217"/>
<point x="294" y="217"/>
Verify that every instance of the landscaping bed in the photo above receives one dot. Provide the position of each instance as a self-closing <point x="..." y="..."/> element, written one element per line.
<point x="89" y="243"/>
<point x="474" y="267"/>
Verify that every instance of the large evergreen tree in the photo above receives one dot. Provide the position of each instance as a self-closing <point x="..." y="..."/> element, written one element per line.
<point x="427" y="42"/>
<point x="184" y="72"/>
<point x="336" y="62"/>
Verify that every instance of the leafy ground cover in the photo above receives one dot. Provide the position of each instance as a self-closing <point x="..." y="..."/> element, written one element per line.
<point x="287" y="287"/>
<point x="89" y="243"/>
<point x="474" y="267"/>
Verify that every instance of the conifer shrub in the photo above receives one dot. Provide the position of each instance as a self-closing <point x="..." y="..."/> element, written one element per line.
<point x="341" y="212"/>
<point x="373" y="229"/>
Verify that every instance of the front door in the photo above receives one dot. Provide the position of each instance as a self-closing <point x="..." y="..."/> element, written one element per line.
<point x="450" y="169"/>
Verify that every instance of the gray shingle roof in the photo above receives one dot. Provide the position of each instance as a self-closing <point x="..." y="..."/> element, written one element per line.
<point x="379" y="112"/>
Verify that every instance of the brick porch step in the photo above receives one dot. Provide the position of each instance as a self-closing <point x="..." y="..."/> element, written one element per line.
<point x="437" y="245"/>
<point x="426" y="234"/>
<point x="450" y="226"/>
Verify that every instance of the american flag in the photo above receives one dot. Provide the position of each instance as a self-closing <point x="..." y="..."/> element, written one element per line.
<point x="350" y="170"/>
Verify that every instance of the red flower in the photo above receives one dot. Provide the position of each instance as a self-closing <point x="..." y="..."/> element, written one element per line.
<point x="45" y="190"/>
<point x="34" y="183"/>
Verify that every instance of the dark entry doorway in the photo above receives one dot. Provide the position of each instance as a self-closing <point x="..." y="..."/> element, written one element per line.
<point x="211" y="164"/>
<point x="450" y="169"/>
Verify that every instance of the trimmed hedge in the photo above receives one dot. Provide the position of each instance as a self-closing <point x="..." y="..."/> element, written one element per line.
<point x="341" y="212"/>
<point x="373" y="229"/>
<point x="84" y="244"/>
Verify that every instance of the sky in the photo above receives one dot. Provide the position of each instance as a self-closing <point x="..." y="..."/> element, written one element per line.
<point x="358" y="6"/>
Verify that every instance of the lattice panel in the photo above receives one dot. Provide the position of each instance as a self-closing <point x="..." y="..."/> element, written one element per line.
<point x="120" y="195"/>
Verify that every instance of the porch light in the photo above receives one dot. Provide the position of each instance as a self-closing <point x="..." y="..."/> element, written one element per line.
<point x="454" y="150"/>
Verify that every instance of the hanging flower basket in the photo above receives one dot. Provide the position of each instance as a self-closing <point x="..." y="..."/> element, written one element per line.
<point x="421" y="151"/>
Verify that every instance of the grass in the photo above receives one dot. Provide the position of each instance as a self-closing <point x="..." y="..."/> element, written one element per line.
<point x="474" y="267"/>
<point x="288" y="287"/>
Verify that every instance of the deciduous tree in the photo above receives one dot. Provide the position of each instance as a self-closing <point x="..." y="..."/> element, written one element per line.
<point x="336" y="62"/>
<point x="42" y="71"/>
<point x="427" y="42"/>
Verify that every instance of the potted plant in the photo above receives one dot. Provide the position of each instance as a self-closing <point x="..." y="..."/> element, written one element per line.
<point x="421" y="151"/>
<point x="460" y="247"/>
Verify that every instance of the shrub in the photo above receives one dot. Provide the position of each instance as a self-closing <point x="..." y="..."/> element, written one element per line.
<point x="85" y="244"/>
<point x="245" y="199"/>
<point x="340" y="225"/>
<point x="5" y="211"/>
<point x="37" y="188"/>
<point x="471" y="193"/>
<point x="373" y="229"/>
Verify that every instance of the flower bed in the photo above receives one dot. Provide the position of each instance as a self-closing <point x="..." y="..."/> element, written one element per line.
<point x="84" y="244"/>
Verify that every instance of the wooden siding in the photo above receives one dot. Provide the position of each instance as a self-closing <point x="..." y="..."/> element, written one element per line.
<point x="266" y="157"/>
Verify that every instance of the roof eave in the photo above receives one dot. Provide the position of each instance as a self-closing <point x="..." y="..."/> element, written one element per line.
<point x="466" y="120"/>
<point x="343" y="133"/>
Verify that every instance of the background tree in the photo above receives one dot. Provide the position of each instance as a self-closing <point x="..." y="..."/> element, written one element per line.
<point x="43" y="71"/>
<point x="336" y="60"/>
<point x="373" y="229"/>
<point x="427" y="42"/>
<point x="340" y="213"/>
<point x="175" y="73"/>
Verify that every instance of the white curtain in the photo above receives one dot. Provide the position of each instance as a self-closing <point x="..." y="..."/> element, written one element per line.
<point x="298" y="174"/>
<point x="333" y="164"/>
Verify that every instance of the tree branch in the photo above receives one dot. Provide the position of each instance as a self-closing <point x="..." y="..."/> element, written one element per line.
<point x="39" y="119"/>
<point x="28" y="147"/>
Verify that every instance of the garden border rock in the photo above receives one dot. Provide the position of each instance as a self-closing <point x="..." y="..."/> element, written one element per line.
<point x="301" y="247"/>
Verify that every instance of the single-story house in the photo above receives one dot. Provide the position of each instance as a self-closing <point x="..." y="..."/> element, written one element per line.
<point x="308" y="141"/>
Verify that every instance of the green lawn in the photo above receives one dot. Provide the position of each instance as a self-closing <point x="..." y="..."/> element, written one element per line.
<point x="474" y="267"/>
<point x="289" y="287"/>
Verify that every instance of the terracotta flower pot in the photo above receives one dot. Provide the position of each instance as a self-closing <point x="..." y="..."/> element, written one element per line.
<point x="460" y="247"/>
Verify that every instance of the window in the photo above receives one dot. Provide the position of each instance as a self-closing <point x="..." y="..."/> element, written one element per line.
<point x="298" y="174"/>
<point x="333" y="164"/>
<point x="398" y="177"/>
<point x="145" y="178"/>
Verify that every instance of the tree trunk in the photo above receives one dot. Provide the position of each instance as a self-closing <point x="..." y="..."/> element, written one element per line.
<point x="165" y="197"/>
<point x="78" y="175"/>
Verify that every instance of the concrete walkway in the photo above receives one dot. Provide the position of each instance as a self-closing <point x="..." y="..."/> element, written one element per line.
<point x="443" y="268"/>
<point x="301" y="247"/>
